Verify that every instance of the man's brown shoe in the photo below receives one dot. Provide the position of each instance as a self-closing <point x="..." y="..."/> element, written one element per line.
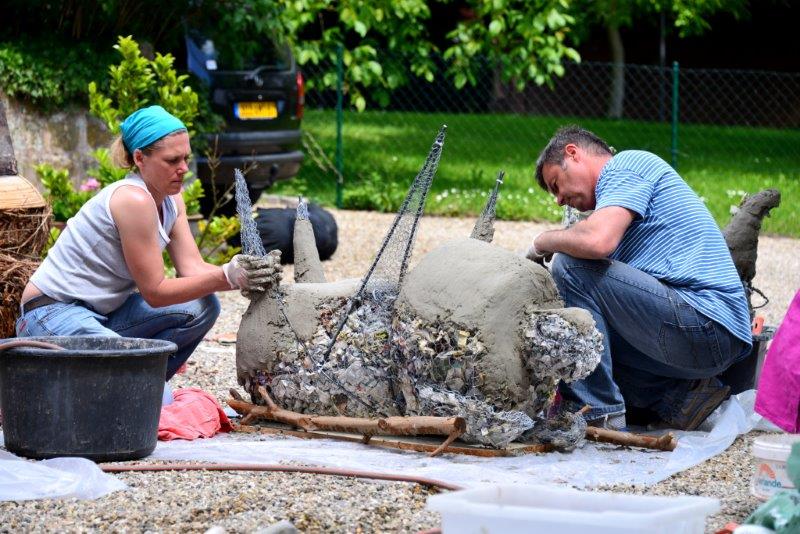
<point x="705" y="395"/>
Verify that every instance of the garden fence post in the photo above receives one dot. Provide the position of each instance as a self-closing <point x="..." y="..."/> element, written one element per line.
<point x="675" y="107"/>
<point x="339" y="123"/>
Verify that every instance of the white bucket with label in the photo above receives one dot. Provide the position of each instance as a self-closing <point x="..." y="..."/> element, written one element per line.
<point x="771" y="453"/>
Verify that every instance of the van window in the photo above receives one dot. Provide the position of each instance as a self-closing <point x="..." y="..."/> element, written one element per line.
<point x="252" y="55"/>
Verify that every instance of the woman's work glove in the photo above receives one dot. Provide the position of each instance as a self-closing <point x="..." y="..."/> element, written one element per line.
<point x="254" y="274"/>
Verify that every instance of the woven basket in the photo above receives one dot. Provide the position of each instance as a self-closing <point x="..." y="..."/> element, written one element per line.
<point x="24" y="230"/>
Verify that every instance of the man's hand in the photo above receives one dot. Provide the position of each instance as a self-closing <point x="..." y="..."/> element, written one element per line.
<point x="254" y="274"/>
<point x="537" y="256"/>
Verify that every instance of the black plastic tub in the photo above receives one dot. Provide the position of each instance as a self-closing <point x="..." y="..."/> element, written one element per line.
<point x="100" y="398"/>
<point x="743" y="375"/>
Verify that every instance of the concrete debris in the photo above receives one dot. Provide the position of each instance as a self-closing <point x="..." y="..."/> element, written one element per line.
<point x="386" y="362"/>
<point x="556" y="350"/>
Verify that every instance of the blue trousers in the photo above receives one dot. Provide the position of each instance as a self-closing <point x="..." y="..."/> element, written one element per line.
<point x="184" y="324"/>
<point x="654" y="343"/>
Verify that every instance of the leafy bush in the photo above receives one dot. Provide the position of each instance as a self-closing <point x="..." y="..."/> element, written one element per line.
<point x="49" y="74"/>
<point x="61" y="193"/>
<point x="375" y="192"/>
<point x="136" y="82"/>
<point x="192" y="194"/>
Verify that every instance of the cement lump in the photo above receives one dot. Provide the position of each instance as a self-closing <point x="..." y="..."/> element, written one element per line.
<point x="741" y="233"/>
<point x="475" y="331"/>
<point x="307" y="267"/>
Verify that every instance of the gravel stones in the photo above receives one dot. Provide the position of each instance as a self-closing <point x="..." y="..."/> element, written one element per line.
<point x="246" y="501"/>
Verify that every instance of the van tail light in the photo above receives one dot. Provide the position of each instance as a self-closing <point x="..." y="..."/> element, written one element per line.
<point x="301" y="95"/>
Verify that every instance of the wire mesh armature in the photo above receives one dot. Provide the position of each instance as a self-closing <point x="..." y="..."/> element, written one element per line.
<point x="484" y="226"/>
<point x="302" y="210"/>
<point x="383" y="279"/>
<point x="251" y="239"/>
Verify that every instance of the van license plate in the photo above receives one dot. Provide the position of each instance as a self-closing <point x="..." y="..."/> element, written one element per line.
<point x="255" y="110"/>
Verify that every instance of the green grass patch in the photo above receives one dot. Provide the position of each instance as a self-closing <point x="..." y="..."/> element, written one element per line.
<point x="384" y="150"/>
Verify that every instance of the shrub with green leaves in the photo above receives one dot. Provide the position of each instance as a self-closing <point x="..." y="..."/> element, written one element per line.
<point x="60" y="191"/>
<point x="192" y="193"/>
<point x="136" y="82"/>
<point x="48" y="74"/>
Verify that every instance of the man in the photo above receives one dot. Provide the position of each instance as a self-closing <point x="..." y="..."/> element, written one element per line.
<point x="651" y="266"/>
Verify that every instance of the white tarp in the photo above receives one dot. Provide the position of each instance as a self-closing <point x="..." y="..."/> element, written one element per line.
<point x="591" y="465"/>
<point x="80" y="478"/>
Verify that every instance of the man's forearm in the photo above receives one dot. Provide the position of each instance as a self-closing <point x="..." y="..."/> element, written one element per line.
<point x="573" y="241"/>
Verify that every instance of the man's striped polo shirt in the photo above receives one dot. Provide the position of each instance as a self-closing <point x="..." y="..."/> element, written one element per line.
<point x="673" y="237"/>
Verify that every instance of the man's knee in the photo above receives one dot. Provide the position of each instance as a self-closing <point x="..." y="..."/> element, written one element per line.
<point x="563" y="263"/>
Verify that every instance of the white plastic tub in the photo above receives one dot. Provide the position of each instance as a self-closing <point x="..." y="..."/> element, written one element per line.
<point x="545" y="509"/>
<point x="771" y="453"/>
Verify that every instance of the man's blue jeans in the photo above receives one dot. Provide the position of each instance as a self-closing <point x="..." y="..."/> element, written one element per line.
<point x="183" y="324"/>
<point x="654" y="343"/>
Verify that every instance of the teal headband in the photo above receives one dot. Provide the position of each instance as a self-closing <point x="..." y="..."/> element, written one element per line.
<point x="145" y="126"/>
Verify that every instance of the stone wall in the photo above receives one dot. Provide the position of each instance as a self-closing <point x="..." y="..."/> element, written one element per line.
<point x="64" y="139"/>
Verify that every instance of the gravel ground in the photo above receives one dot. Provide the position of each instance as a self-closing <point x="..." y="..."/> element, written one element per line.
<point x="245" y="502"/>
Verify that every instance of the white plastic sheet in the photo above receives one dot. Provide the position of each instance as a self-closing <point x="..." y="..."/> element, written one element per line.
<point x="22" y="479"/>
<point x="592" y="465"/>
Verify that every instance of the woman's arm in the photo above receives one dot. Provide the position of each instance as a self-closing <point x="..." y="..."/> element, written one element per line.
<point x="136" y="217"/>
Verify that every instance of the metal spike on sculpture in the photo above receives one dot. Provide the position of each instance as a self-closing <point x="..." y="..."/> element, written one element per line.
<point x="383" y="279"/>
<point x="484" y="226"/>
<point x="251" y="240"/>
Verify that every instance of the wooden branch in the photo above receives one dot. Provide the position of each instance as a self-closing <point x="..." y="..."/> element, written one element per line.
<point x="666" y="442"/>
<point x="395" y="426"/>
<point x="450" y="439"/>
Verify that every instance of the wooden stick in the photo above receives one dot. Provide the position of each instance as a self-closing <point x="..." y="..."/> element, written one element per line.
<point x="666" y="442"/>
<point x="447" y="442"/>
<point x="396" y="426"/>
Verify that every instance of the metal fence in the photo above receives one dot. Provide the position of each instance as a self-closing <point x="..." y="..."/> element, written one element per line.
<point x="700" y="120"/>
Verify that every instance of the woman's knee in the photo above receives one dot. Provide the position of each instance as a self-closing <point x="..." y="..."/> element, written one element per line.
<point x="208" y="309"/>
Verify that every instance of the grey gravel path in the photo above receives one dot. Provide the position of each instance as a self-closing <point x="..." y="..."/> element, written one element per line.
<point x="247" y="502"/>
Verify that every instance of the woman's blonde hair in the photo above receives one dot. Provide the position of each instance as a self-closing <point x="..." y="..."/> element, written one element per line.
<point x="120" y="155"/>
<point x="124" y="159"/>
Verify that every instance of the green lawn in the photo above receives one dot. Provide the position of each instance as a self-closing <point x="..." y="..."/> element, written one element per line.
<point x="384" y="150"/>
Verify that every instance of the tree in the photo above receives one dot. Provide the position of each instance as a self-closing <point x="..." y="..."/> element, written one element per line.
<point x="688" y="17"/>
<point x="388" y="41"/>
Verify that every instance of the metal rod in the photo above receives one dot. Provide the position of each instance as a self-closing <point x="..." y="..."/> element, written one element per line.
<point x="675" y="109"/>
<point x="339" y="124"/>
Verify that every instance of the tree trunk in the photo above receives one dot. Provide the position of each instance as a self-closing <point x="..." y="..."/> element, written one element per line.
<point x="617" y="96"/>
<point x="8" y="163"/>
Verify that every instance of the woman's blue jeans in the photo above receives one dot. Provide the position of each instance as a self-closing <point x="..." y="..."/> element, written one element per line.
<point x="184" y="324"/>
<point x="654" y="343"/>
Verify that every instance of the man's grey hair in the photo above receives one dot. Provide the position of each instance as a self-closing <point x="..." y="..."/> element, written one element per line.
<point x="553" y="153"/>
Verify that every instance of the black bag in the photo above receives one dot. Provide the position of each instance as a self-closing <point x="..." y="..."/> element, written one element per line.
<point x="276" y="228"/>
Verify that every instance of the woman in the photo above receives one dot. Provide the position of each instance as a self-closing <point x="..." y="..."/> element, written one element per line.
<point x="113" y="247"/>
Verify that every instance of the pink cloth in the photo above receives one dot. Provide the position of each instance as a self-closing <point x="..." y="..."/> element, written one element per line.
<point x="778" y="395"/>
<point x="193" y="414"/>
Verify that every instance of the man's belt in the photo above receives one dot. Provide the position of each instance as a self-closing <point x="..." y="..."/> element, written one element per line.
<point x="37" y="302"/>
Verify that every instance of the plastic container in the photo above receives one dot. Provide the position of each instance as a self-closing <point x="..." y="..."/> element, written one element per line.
<point x="99" y="399"/>
<point x="770" y="476"/>
<point x="517" y="508"/>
